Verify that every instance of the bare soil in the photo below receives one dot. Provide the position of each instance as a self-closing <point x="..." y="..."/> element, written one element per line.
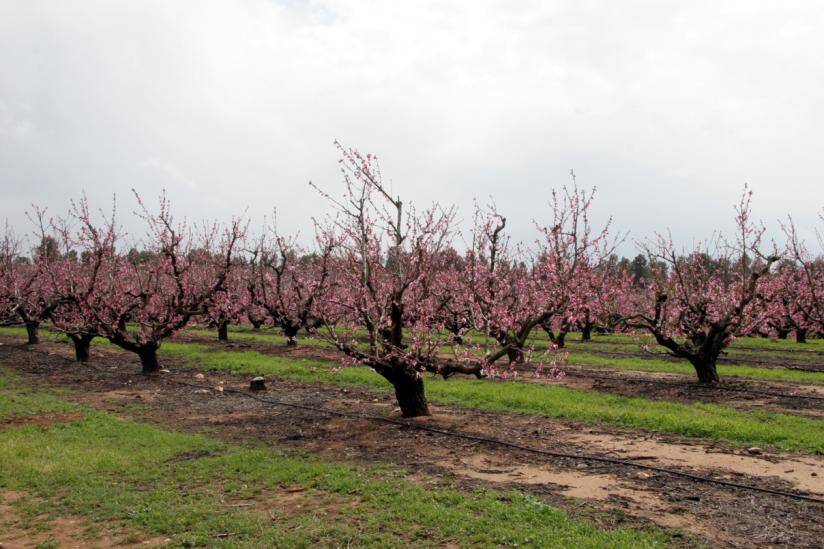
<point x="609" y="494"/>
<point x="19" y="532"/>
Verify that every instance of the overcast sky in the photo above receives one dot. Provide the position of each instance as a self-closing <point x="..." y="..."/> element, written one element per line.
<point x="668" y="107"/>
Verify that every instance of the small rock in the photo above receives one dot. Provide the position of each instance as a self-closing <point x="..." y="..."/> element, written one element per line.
<point x="200" y="376"/>
<point x="165" y="371"/>
<point x="218" y="389"/>
<point x="257" y="384"/>
<point x="202" y="392"/>
<point x="755" y="450"/>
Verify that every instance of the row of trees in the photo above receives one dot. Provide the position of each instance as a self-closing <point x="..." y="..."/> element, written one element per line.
<point x="386" y="285"/>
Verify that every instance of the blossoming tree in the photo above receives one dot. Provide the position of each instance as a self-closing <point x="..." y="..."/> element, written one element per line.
<point x="704" y="297"/>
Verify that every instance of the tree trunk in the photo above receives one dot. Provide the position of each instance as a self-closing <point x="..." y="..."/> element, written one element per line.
<point x="256" y="324"/>
<point x="801" y="336"/>
<point x="560" y="340"/>
<point x="586" y="333"/>
<point x="782" y="334"/>
<point x="31" y="331"/>
<point x="291" y="335"/>
<point x="705" y="368"/>
<point x="82" y="343"/>
<point x="148" y="359"/>
<point x="409" y="392"/>
<point x="223" y="331"/>
<point x="515" y="355"/>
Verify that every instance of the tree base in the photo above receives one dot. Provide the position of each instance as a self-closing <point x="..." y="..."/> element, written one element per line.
<point x="149" y="362"/>
<point x="707" y="372"/>
<point x="31" y="333"/>
<point x="82" y="345"/>
<point x="409" y="392"/>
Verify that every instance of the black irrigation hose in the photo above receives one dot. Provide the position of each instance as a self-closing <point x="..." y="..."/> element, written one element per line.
<point x="516" y="446"/>
<point x="589" y="374"/>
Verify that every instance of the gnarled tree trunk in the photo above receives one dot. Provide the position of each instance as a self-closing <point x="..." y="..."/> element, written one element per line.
<point x="560" y="340"/>
<point x="223" y="331"/>
<point x="82" y="344"/>
<point x="31" y="332"/>
<point x="291" y="333"/>
<point x="148" y="359"/>
<point x="705" y="368"/>
<point x="515" y="355"/>
<point x="409" y="391"/>
<point x="586" y="332"/>
<point x="801" y="335"/>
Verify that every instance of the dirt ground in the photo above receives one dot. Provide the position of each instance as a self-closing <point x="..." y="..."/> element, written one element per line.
<point x="610" y="494"/>
<point x="65" y="532"/>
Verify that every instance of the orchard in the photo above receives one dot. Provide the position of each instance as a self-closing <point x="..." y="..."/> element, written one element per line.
<point x="398" y="335"/>
<point x="222" y="327"/>
<point x="387" y="286"/>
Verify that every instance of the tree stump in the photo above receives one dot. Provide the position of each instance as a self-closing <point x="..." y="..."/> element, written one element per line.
<point x="257" y="384"/>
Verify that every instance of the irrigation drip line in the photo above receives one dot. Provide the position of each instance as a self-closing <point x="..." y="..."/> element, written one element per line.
<point x="589" y="374"/>
<point x="507" y="444"/>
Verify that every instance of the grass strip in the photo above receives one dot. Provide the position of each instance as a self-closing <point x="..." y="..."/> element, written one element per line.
<point x="666" y="366"/>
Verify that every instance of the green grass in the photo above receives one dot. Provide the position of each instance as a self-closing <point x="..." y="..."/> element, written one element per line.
<point x="44" y="333"/>
<point x="741" y="354"/>
<point x="706" y="421"/>
<point x="122" y="474"/>
<point x="17" y="402"/>
<point x="724" y="370"/>
<point x="269" y="336"/>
